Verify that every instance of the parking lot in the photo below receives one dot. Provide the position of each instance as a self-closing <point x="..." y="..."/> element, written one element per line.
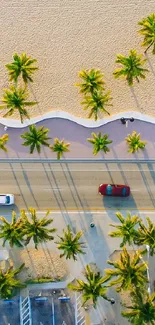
<point x="49" y="310"/>
<point x="9" y="312"/>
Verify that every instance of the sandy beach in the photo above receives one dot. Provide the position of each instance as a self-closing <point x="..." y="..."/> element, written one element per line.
<point x="68" y="36"/>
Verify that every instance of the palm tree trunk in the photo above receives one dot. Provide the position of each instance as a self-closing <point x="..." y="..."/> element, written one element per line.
<point x="30" y="258"/>
<point x="31" y="89"/>
<point x="147" y="268"/>
<point x="137" y="79"/>
<point x="47" y="250"/>
<point x="148" y="47"/>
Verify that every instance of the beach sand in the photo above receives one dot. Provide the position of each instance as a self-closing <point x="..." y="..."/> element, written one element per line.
<point x="66" y="36"/>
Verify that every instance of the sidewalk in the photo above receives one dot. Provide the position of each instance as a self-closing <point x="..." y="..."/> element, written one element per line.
<point x="77" y="136"/>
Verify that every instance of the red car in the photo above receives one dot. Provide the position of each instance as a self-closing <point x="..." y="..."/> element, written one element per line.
<point x="114" y="190"/>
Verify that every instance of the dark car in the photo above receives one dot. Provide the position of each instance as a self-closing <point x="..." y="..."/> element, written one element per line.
<point x="114" y="190"/>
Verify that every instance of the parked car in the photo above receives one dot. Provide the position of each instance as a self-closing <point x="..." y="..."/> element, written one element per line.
<point x="114" y="190"/>
<point x="7" y="199"/>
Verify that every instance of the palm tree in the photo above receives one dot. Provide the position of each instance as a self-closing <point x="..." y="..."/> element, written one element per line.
<point x="132" y="67"/>
<point x="142" y="310"/>
<point x="92" y="80"/>
<point x="97" y="103"/>
<point x="3" y="140"/>
<point x="59" y="147"/>
<point x="100" y="142"/>
<point x="22" y="65"/>
<point x="92" y="288"/>
<point x="35" y="138"/>
<point x="12" y="232"/>
<point x="8" y="282"/>
<point x="15" y="99"/>
<point x="129" y="271"/>
<point x="126" y="230"/>
<point x="146" y="235"/>
<point x="70" y="244"/>
<point x="148" y="31"/>
<point x="134" y="142"/>
<point x="36" y="228"/>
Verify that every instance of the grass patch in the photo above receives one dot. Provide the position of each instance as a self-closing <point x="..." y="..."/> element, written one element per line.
<point x="42" y="280"/>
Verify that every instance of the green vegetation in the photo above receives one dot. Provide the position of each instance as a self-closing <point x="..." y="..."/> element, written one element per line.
<point x="37" y="228"/>
<point x="97" y="103"/>
<point x="15" y="99"/>
<point x="130" y="272"/>
<point x="92" y="80"/>
<point x="12" y="232"/>
<point x="100" y="142"/>
<point x="35" y="138"/>
<point x="95" y="97"/>
<point x="132" y="67"/>
<point x="142" y="310"/>
<point x="126" y="230"/>
<point x="146" y="235"/>
<point x="59" y="147"/>
<point x="41" y="280"/>
<point x="93" y="288"/>
<point x="3" y="140"/>
<point x="21" y="66"/>
<point x="70" y="244"/>
<point x="134" y="142"/>
<point x="148" y="31"/>
<point x="9" y="283"/>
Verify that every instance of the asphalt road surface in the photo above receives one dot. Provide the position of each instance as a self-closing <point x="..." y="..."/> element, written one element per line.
<point x="74" y="186"/>
<point x="9" y="312"/>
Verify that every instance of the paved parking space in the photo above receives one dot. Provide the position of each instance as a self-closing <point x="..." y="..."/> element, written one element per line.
<point x="9" y="312"/>
<point x="47" y="309"/>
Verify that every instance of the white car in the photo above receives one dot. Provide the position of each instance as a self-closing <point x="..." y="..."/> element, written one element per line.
<point x="7" y="199"/>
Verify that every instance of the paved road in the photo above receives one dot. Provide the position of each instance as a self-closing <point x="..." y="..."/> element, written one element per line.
<point x="73" y="186"/>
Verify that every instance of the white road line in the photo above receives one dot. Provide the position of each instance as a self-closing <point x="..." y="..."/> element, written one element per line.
<point x="53" y="318"/>
<point x="77" y="170"/>
<point x="123" y="211"/>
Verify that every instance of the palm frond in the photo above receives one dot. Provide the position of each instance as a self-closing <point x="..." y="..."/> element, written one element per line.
<point x="134" y="142"/>
<point x="148" y="32"/>
<point x="21" y="66"/>
<point x="100" y="142"/>
<point x="131" y="67"/>
<point x="92" y="288"/>
<point x="35" y="138"/>
<point x="15" y="99"/>
<point x="59" y="147"/>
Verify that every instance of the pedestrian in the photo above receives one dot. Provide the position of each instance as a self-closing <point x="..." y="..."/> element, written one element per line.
<point x="112" y="301"/>
<point x="92" y="224"/>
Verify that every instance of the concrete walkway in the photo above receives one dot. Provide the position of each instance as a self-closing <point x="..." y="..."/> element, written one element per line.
<point x="77" y="136"/>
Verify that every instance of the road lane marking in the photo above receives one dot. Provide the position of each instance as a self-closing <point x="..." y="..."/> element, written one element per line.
<point x="80" y="170"/>
<point x="53" y="211"/>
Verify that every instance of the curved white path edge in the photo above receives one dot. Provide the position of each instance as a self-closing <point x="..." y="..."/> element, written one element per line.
<point x="81" y="121"/>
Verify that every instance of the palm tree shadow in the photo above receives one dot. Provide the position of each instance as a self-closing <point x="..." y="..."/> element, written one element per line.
<point x="74" y="192"/>
<point x="49" y="257"/>
<point x="62" y="205"/>
<point x="96" y="243"/>
<point x="150" y="64"/>
<point x="133" y="94"/>
<point x="34" y="95"/>
<point x="146" y="182"/>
